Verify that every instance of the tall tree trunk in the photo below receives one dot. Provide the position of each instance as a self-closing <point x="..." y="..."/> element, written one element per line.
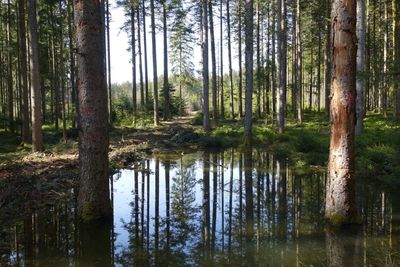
<point x="166" y="85"/>
<point x="258" y="75"/>
<point x="93" y="197"/>
<point x="155" y="78"/>
<point x="146" y="74"/>
<point x="299" y="64"/>
<point x="228" y="25"/>
<point x="9" y="73"/>
<point x="140" y="60"/>
<point x="319" y="68"/>
<point x="214" y="65"/>
<point x="327" y="59"/>
<point x="396" y="38"/>
<point x="206" y="116"/>
<point x="62" y="81"/>
<point x="249" y="25"/>
<point x="23" y="70"/>
<point x="384" y="88"/>
<point x="240" y="86"/>
<point x="74" y="92"/>
<point x="110" y="111"/>
<point x="222" y="61"/>
<point x="281" y="66"/>
<point x="36" y="105"/>
<point x="340" y="197"/>
<point x="133" y="49"/>
<point x="360" y="84"/>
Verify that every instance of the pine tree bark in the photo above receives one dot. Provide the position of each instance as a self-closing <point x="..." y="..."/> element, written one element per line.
<point x="133" y="49"/>
<point x="166" y="85"/>
<point x="222" y="62"/>
<point x="327" y="60"/>
<point x="240" y="86"/>
<point x="10" y="89"/>
<point x="93" y="197"/>
<point x="228" y="25"/>
<point x="23" y="70"/>
<point x="396" y="37"/>
<point x="36" y="97"/>
<point x="155" y="77"/>
<point x="299" y="65"/>
<point x="140" y="60"/>
<point x="206" y="105"/>
<point x="281" y="66"/>
<point x="213" y="65"/>
<point x="146" y="74"/>
<point x="360" y="84"/>
<point x="340" y="194"/>
<point x="249" y="28"/>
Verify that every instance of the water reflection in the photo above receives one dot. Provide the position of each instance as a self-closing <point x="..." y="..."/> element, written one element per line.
<point x="231" y="208"/>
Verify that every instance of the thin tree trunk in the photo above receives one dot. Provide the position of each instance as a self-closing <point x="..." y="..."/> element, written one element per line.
<point x="10" y="70"/>
<point x="228" y="25"/>
<point x="222" y="62"/>
<point x="155" y="77"/>
<point x="133" y="49"/>
<point x="166" y="85"/>
<point x="319" y="68"/>
<point x="146" y="75"/>
<point x="23" y="70"/>
<point x="110" y="111"/>
<point x="240" y="86"/>
<point x="249" y="25"/>
<point x="396" y="37"/>
<point x="281" y="66"/>
<point x="360" y="84"/>
<point x="142" y="104"/>
<point x="299" y="64"/>
<point x="37" y="135"/>
<point x="74" y="93"/>
<point x="93" y="198"/>
<point x="340" y="196"/>
<point x="213" y="65"/>
<point x="206" y="116"/>
<point x="327" y="59"/>
<point x="258" y="61"/>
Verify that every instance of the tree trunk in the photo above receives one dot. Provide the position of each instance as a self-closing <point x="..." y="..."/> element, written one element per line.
<point x="110" y="116"/>
<point x="340" y="197"/>
<point x="299" y="64"/>
<point x="214" y="66"/>
<point x="23" y="70"/>
<point x="206" y="116"/>
<point x="74" y="92"/>
<point x="228" y="25"/>
<point x="360" y="85"/>
<point x="133" y="49"/>
<point x="93" y="197"/>
<point x="222" y="61"/>
<point x="9" y="73"/>
<point x="140" y="60"/>
<point x="36" y="105"/>
<point x="327" y="60"/>
<point x="146" y="75"/>
<point x="240" y="86"/>
<point x="166" y="85"/>
<point x="155" y="77"/>
<point x="281" y="66"/>
<point x="249" y="69"/>
<point x="396" y="37"/>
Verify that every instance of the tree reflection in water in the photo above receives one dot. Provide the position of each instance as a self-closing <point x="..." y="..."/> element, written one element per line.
<point x="227" y="208"/>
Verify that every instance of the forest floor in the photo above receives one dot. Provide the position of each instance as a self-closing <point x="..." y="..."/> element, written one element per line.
<point x="52" y="173"/>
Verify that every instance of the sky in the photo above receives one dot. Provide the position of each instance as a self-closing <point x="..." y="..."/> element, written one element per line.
<point x="121" y="67"/>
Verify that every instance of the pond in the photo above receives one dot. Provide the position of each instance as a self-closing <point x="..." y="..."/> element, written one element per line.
<point x="227" y="208"/>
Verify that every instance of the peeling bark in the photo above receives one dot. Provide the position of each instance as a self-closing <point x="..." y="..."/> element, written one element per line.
<point x="340" y="197"/>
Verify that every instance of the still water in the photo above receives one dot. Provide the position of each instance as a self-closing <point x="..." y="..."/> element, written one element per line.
<point x="229" y="208"/>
